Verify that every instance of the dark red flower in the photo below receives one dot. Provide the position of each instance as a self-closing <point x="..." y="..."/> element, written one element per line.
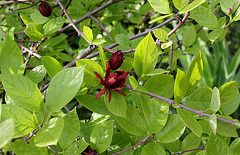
<point x="116" y="59"/>
<point x="112" y="81"/>
<point x="45" y="9"/>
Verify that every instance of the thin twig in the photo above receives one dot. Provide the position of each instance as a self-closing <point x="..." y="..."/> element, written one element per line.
<point x="66" y="7"/>
<point x="29" y="51"/>
<point x="25" y="7"/>
<point x="171" y="58"/>
<point x="140" y="143"/>
<point x="171" y="102"/>
<point x="55" y="152"/>
<point x="199" y="148"/>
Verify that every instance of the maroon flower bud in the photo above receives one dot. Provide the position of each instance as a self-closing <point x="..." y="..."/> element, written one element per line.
<point x="45" y="9"/>
<point x="116" y="59"/>
<point x="110" y="80"/>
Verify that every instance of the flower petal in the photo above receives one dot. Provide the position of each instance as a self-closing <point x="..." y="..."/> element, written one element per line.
<point x="99" y="77"/>
<point x="110" y="95"/>
<point x="100" y="93"/>
<point x="119" y="91"/>
<point x="108" y="70"/>
<point x="124" y="75"/>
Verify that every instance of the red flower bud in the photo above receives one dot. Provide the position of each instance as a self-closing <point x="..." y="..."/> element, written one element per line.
<point x="45" y="9"/>
<point x="116" y="59"/>
<point x="110" y="80"/>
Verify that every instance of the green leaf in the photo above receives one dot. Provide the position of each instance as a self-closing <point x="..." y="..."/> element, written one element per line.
<point x="192" y="6"/>
<point x="53" y="26"/>
<point x="215" y="101"/>
<point x="22" y="68"/>
<point x="37" y="17"/>
<point x="10" y="57"/>
<point x="77" y="147"/>
<point x="180" y="4"/>
<point x="156" y="114"/>
<point x="215" y="34"/>
<point x="90" y="66"/>
<point x="71" y="129"/>
<point x="235" y="146"/>
<point x="237" y="15"/>
<point x="189" y="36"/>
<point x="133" y="123"/>
<point x="156" y="71"/>
<point x="161" y="6"/>
<point x="225" y="4"/>
<point x="136" y="85"/>
<point x="98" y="41"/>
<point x="97" y="106"/>
<point x="174" y="146"/>
<point x="101" y="136"/>
<point x="7" y="132"/>
<point x="34" y="31"/>
<point x="36" y="74"/>
<point x="216" y="145"/>
<point x="117" y="106"/>
<point x="146" y="54"/>
<point x="232" y="106"/>
<point x="102" y="56"/>
<point x="87" y="32"/>
<point x="204" y="16"/>
<point x="190" y="121"/>
<point x="172" y="131"/>
<point x="160" y="18"/>
<point x="64" y="87"/>
<point x="194" y="73"/>
<point x="122" y="39"/>
<point x="25" y="18"/>
<point x="226" y="129"/>
<point x="50" y="133"/>
<point x="24" y="120"/>
<point x="191" y="141"/>
<point x="166" y="45"/>
<point x="200" y="99"/>
<point x="161" y="85"/>
<point x="227" y="92"/>
<point x="52" y="65"/>
<point x="161" y="34"/>
<point x="153" y="149"/>
<point x="213" y="123"/>
<point x="23" y="91"/>
<point x="180" y="86"/>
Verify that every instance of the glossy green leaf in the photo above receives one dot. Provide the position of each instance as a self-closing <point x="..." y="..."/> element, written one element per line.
<point x="190" y="121"/>
<point x="10" y="57"/>
<point x="37" y="17"/>
<point x="215" y="101"/>
<point x="227" y="92"/>
<point x="88" y="34"/>
<point x="235" y="146"/>
<point x="64" y="87"/>
<point x="117" y="106"/>
<point x="174" y="146"/>
<point x="101" y="136"/>
<point x="76" y="148"/>
<point x="153" y="149"/>
<point x="95" y="105"/>
<point x="90" y="67"/>
<point x="213" y="123"/>
<point x="216" y="145"/>
<point x="189" y="36"/>
<point x="232" y="106"/>
<point x="237" y="15"/>
<point x="180" y="4"/>
<point x="23" y="91"/>
<point x="160" y="18"/>
<point x="172" y="131"/>
<point x="226" y="129"/>
<point x="36" y="74"/>
<point x="99" y="41"/>
<point x="166" y="45"/>
<point x="122" y="39"/>
<point x="136" y="85"/>
<point x="204" y="16"/>
<point x="200" y="99"/>
<point x="102" y="56"/>
<point x="50" y="133"/>
<point x="7" y="132"/>
<point x="71" y="129"/>
<point x="180" y="86"/>
<point x="194" y="73"/>
<point x="156" y="114"/>
<point x="225" y="4"/>
<point x="162" y="85"/>
<point x="161" y="34"/>
<point x="133" y="123"/>
<point x="145" y="57"/>
<point x="156" y="71"/>
<point x="25" y="18"/>
<point x="53" y="26"/>
<point x="34" y="31"/>
<point x="192" y="6"/>
<point x="215" y="34"/>
<point x="52" y="65"/>
<point x="191" y="141"/>
<point x="161" y="6"/>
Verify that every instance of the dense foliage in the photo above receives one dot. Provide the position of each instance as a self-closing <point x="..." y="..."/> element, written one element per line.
<point x="119" y="77"/>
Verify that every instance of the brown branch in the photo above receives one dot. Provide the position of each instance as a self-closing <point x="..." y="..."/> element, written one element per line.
<point x="29" y="51"/>
<point x="171" y="102"/>
<point x="66" y="7"/>
<point x="199" y="148"/>
<point x="140" y="143"/>
<point x="55" y="152"/>
<point x="25" y="7"/>
<point x="171" y="58"/>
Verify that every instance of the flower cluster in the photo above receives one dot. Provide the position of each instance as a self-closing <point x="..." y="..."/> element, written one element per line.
<point x="115" y="80"/>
